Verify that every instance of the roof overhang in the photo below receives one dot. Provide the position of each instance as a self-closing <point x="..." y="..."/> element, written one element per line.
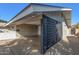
<point x="32" y="8"/>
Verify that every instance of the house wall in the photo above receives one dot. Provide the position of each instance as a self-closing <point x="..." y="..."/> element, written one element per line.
<point x="65" y="30"/>
<point x="26" y="30"/>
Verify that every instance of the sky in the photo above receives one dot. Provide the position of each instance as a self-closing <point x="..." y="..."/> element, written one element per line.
<point x="9" y="10"/>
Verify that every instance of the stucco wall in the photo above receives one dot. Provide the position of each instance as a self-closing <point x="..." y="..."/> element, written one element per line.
<point x="65" y="30"/>
<point x="26" y="30"/>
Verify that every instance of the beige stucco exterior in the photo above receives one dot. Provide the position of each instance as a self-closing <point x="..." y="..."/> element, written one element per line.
<point x="25" y="30"/>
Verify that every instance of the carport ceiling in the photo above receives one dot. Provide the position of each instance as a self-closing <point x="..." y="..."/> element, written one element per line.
<point x="33" y="19"/>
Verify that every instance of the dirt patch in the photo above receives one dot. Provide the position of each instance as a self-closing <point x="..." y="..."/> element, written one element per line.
<point x="19" y="46"/>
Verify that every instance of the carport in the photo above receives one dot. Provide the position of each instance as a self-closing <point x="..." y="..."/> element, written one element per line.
<point x="41" y="23"/>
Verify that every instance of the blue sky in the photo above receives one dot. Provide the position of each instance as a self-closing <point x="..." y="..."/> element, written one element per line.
<point x="9" y="10"/>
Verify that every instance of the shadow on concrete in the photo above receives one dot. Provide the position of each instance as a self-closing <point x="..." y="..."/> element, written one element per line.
<point x="19" y="47"/>
<point x="69" y="47"/>
<point x="28" y="46"/>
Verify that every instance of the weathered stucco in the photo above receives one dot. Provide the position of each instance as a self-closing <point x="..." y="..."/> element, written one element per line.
<point x="26" y="30"/>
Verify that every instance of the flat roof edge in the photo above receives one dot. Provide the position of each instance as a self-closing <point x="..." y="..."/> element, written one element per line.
<point x="66" y="9"/>
<point x="12" y="20"/>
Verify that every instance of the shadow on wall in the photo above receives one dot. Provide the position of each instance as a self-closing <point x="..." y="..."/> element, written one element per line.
<point x="69" y="47"/>
<point x="27" y="30"/>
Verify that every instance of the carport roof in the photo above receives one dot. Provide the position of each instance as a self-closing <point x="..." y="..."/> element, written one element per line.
<point x="34" y="7"/>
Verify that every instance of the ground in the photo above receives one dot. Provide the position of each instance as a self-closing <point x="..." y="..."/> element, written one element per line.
<point x="68" y="47"/>
<point x="28" y="46"/>
<point x="19" y="46"/>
